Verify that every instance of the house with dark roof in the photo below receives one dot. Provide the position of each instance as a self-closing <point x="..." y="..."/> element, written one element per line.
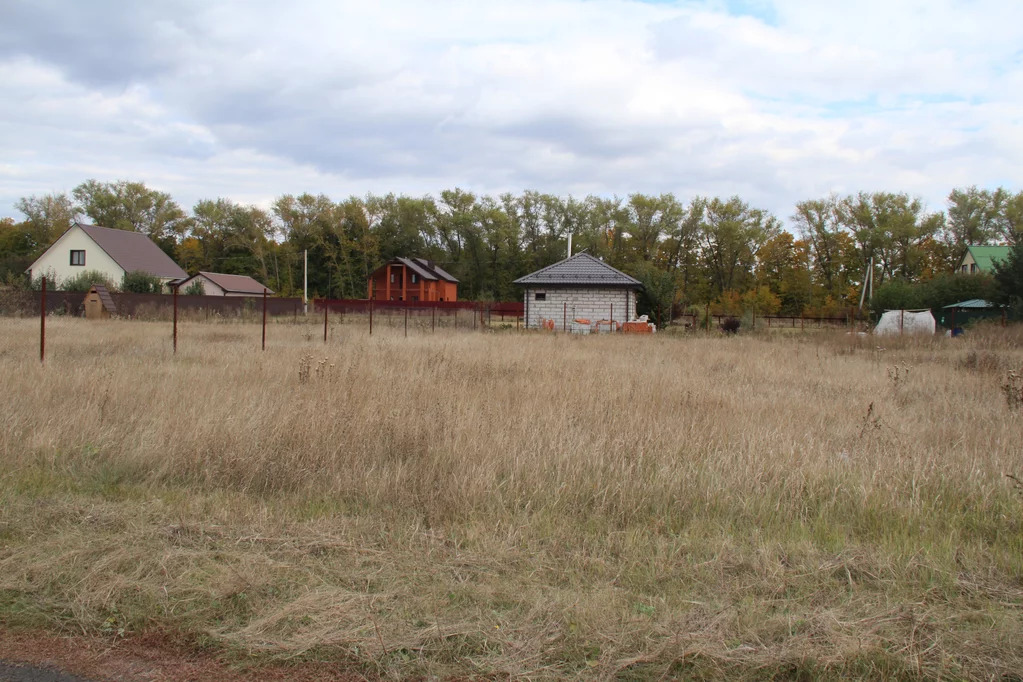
<point x="982" y="258"/>
<point x="219" y="284"/>
<point x="580" y="287"/>
<point x="411" y="279"/>
<point x="112" y="252"/>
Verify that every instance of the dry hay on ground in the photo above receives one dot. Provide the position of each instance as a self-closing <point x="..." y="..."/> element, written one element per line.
<point x="519" y="504"/>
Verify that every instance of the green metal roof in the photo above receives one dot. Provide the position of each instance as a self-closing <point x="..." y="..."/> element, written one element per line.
<point x="984" y="255"/>
<point x="973" y="303"/>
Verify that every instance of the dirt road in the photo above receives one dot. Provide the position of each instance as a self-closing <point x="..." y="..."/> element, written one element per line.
<point x="34" y="656"/>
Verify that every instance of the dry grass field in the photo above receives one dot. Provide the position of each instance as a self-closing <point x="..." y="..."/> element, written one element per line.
<point x="501" y="504"/>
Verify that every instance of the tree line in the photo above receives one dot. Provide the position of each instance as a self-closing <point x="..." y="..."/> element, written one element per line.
<point x="721" y="251"/>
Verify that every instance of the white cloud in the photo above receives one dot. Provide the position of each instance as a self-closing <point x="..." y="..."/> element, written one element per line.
<point x="250" y="100"/>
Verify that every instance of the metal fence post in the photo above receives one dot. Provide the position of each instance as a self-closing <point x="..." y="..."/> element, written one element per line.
<point x="406" y="319"/>
<point x="175" y="319"/>
<point x="325" y="309"/>
<point x="264" y="318"/>
<point x="42" y="324"/>
<point x="371" y="317"/>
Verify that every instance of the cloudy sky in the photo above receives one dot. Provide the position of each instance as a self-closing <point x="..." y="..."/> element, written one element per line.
<point x="773" y="100"/>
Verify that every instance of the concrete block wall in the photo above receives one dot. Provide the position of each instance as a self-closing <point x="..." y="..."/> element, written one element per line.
<point x="591" y="303"/>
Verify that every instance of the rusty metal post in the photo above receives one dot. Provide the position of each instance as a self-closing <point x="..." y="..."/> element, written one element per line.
<point x="371" y="317"/>
<point x="433" y="319"/>
<point x="708" y="316"/>
<point x="406" y="320"/>
<point x="42" y="324"/>
<point x="325" y="309"/>
<point x="612" y="319"/>
<point x="801" y="322"/>
<point x="264" y="318"/>
<point x="754" y="325"/>
<point x="902" y="320"/>
<point x="175" y="319"/>
<point x="564" y="317"/>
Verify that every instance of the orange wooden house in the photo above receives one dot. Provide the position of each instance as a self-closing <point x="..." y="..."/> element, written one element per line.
<point x="411" y="279"/>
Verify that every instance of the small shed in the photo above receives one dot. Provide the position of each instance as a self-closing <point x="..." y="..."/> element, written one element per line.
<point x="579" y="287"/>
<point x="967" y="312"/>
<point x="99" y="304"/>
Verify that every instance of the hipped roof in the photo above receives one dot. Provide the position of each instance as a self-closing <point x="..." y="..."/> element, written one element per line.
<point x="581" y="269"/>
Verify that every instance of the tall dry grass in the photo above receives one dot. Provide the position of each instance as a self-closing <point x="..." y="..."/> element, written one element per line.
<point x="527" y="505"/>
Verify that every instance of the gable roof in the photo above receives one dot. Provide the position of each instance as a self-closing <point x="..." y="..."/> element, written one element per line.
<point x="133" y="251"/>
<point x="235" y="284"/>
<point x="984" y="256"/>
<point x="581" y="269"/>
<point x="426" y="269"/>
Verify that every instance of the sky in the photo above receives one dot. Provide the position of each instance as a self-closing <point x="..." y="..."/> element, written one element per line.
<point x="776" y="101"/>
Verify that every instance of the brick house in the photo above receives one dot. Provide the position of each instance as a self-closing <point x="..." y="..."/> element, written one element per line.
<point x="579" y="287"/>
<point x="411" y="279"/>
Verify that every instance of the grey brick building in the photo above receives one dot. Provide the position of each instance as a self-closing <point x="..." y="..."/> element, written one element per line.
<point x="580" y="286"/>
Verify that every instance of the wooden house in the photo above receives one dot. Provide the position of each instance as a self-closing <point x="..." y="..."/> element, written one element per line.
<point x="411" y="280"/>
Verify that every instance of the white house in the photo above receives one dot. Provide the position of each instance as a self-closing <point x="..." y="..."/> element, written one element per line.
<point x="219" y="284"/>
<point x="579" y="287"/>
<point x="112" y="252"/>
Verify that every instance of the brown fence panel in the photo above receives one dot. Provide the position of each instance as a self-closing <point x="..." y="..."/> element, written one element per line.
<point x="161" y="305"/>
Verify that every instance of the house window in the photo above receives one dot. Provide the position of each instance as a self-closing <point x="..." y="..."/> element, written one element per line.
<point x="78" y="257"/>
<point x="973" y="267"/>
<point x="541" y="296"/>
<point x="393" y="278"/>
<point x="415" y="278"/>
